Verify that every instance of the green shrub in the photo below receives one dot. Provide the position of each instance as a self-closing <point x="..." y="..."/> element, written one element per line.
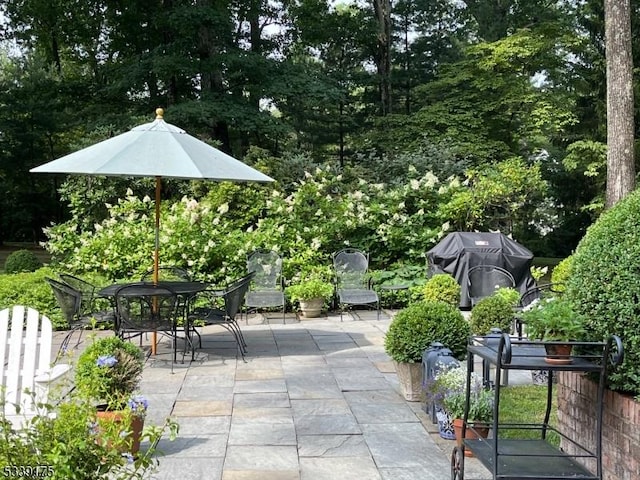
<point x="508" y="294"/>
<point x="414" y="328"/>
<point x="491" y="312"/>
<point x="604" y="285"/>
<point x="113" y="381"/>
<point x="31" y="290"/>
<point x="444" y="288"/>
<point x="561" y="273"/>
<point x="22" y="261"/>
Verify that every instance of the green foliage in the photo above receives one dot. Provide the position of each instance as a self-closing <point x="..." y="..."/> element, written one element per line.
<point x="443" y="288"/>
<point x="508" y="294"/>
<point x="449" y="390"/>
<point x="109" y="371"/>
<point x="502" y="196"/>
<point x="604" y="282"/>
<point x="212" y="236"/>
<point x="554" y="319"/>
<point x="22" y="261"/>
<point x="414" y="328"/>
<point x="68" y="445"/>
<point x="310" y="289"/>
<point x="491" y="312"/>
<point x="410" y="276"/>
<point x="562" y="272"/>
<point x="30" y="289"/>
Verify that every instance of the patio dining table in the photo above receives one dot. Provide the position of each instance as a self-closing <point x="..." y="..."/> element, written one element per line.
<point x="185" y="290"/>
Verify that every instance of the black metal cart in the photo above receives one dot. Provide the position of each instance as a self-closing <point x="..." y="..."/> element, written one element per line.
<point x="520" y="459"/>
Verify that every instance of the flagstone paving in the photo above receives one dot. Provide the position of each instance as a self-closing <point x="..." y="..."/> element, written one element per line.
<point x="313" y="400"/>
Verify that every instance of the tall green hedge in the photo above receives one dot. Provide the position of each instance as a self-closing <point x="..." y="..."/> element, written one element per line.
<point x="604" y="284"/>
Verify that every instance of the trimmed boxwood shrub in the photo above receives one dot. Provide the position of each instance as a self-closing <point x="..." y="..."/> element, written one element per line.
<point x="31" y="290"/>
<point x="22" y="261"/>
<point x="414" y="328"/>
<point x="604" y="285"/>
<point x="444" y="288"/>
<point x="495" y="311"/>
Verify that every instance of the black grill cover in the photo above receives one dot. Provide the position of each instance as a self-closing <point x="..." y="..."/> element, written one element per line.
<point x="459" y="251"/>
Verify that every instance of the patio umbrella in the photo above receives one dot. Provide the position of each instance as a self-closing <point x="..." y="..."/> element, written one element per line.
<point x="155" y="149"/>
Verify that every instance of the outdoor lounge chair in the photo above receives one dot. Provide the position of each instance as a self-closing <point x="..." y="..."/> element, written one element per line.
<point x="25" y="370"/>
<point x="353" y="285"/>
<point x="267" y="287"/>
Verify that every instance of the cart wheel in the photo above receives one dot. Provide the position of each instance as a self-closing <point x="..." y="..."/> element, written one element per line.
<point x="457" y="464"/>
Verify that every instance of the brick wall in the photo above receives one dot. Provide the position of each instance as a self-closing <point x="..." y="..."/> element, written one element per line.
<point x="620" y="425"/>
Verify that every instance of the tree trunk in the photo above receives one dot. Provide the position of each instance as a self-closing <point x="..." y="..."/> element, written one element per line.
<point x="383" y="14"/>
<point x="620" y="125"/>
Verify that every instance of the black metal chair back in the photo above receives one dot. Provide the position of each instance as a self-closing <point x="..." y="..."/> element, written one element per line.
<point x="484" y="280"/>
<point x="87" y="289"/>
<point x="145" y="308"/>
<point x="69" y="300"/>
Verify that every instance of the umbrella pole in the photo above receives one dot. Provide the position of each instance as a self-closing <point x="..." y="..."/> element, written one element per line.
<point x="156" y="254"/>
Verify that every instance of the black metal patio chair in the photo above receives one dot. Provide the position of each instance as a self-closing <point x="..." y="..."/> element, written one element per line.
<point x="484" y="280"/>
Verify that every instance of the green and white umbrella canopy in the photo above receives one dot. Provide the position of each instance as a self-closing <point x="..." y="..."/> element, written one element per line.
<point x="157" y="149"/>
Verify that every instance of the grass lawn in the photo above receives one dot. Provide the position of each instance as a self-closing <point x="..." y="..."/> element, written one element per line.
<point x="526" y="404"/>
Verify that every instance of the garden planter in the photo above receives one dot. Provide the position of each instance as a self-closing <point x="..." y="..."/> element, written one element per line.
<point x="410" y="378"/>
<point x="107" y="418"/>
<point x="445" y="424"/>
<point x="311" y="308"/>
<point x="558" y="354"/>
<point x="470" y="434"/>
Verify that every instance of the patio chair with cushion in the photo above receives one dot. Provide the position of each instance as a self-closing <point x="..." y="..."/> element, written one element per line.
<point x="353" y="285"/>
<point x="267" y="287"/>
<point x="484" y="280"/>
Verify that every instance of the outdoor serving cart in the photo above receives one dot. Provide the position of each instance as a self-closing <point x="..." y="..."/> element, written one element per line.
<point x="534" y="458"/>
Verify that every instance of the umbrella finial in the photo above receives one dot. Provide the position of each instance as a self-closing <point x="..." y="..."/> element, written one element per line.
<point x="159" y="113"/>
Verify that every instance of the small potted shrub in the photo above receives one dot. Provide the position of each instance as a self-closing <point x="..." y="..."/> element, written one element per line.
<point x="555" y="320"/>
<point x="107" y="374"/>
<point x="311" y="294"/>
<point x="411" y="332"/>
<point x="450" y="387"/>
<point x="444" y="288"/>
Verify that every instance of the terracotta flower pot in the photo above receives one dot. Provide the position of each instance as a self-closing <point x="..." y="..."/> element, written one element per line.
<point x="558" y="354"/>
<point x="470" y="434"/>
<point x="107" y="418"/>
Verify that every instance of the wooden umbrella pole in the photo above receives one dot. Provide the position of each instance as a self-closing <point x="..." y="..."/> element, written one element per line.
<point x="156" y="254"/>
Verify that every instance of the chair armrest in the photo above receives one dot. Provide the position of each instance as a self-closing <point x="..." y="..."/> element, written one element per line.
<point x="53" y="374"/>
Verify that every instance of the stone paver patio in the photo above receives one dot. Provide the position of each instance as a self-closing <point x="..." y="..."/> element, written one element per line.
<point x="314" y="400"/>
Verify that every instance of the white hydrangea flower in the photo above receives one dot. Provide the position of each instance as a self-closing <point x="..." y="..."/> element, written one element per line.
<point x="224" y="208"/>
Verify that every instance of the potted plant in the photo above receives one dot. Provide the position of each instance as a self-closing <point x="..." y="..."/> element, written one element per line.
<point x="411" y="332"/>
<point x="555" y="321"/>
<point x="107" y="374"/>
<point x="450" y="386"/>
<point x="311" y="294"/>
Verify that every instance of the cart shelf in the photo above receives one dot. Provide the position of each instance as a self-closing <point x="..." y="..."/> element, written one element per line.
<point x="524" y="459"/>
<point x="521" y="459"/>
